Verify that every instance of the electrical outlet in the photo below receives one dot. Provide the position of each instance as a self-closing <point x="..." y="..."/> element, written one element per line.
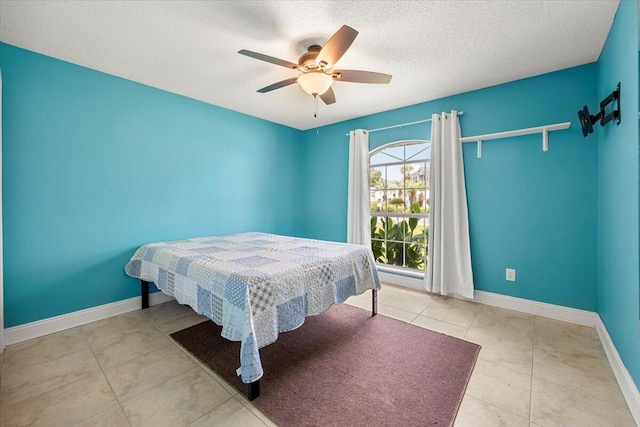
<point x="511" y="274"/>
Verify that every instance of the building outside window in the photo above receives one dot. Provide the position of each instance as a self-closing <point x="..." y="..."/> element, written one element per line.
<point x="399" y="198"/>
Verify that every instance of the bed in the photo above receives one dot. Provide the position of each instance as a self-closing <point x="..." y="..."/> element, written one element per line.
<point x="255" y="285"/>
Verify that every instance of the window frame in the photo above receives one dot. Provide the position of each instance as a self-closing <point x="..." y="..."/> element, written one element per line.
<point x="397" y="215"/>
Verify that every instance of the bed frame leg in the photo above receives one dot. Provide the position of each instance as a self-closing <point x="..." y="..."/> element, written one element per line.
<point x="374" y="302"/>
<point x="144" y="293"/>
<point x="254" y="390"/>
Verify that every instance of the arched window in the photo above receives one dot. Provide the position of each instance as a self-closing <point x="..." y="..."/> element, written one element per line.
<point x="399" y="188"/>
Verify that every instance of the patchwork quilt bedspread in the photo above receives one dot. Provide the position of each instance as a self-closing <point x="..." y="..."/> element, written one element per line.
<point x="256" y="285"/>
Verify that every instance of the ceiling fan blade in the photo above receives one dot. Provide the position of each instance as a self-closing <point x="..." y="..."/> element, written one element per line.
<point x="278" y="85"/>
<point x="357" y="76"/>
<point x="328" y="97"/>
<point x="336" y="46"/>
<point x="268" y="58"/>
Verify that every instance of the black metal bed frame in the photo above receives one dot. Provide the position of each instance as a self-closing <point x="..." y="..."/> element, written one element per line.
<point x="254" y="387"/>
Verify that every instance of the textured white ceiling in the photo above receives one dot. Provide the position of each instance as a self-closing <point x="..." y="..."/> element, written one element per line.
<point x="432" y="48"/>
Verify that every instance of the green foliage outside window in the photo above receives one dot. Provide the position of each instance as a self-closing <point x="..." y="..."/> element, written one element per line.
<point x="390" y="240"/>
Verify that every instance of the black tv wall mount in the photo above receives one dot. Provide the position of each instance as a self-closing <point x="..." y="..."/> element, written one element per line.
<point x="587" y="121"/>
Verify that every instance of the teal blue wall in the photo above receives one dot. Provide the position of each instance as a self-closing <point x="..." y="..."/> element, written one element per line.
<point x="618" y="233"/>
<point x="95" y="166"/>
<point x="529" y="210"/>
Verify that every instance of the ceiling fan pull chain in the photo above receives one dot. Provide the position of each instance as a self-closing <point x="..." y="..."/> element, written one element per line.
<point x="315" y="114"/>
<point x="315" y="107"/>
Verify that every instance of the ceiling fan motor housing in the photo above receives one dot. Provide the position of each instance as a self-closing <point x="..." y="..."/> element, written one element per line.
<point x="308" y="59"/>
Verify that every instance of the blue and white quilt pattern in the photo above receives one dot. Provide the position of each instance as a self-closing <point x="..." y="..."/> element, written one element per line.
<point x="256" y="285"/>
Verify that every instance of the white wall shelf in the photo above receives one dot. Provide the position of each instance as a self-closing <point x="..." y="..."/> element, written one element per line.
<point x="544" y="130"/>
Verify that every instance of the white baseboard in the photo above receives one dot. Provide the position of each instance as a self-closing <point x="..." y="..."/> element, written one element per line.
<point x="396" y="279"/>
<point x="39" y="328"/>
<point x="558" y="312"/>
<point x="626" y="383"/>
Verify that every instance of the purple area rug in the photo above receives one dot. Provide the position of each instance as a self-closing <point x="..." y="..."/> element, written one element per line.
<point x="346" y="368"/>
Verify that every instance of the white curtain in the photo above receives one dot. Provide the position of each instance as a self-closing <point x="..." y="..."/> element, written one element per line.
<point x="358" y="209"/>
<point x="449" y="265"/>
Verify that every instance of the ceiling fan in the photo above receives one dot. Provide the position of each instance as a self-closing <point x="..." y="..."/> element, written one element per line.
<point x="316" y="66"/>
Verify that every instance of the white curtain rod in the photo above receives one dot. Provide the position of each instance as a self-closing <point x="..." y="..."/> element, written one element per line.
<point x="405" y="124"/>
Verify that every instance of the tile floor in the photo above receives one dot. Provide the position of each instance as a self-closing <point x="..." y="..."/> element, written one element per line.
<point x="126" y="371"/>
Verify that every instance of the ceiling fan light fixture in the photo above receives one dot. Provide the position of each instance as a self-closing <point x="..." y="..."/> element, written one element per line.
<point x="315" y="83"/>
<point x="316" y="66"/>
